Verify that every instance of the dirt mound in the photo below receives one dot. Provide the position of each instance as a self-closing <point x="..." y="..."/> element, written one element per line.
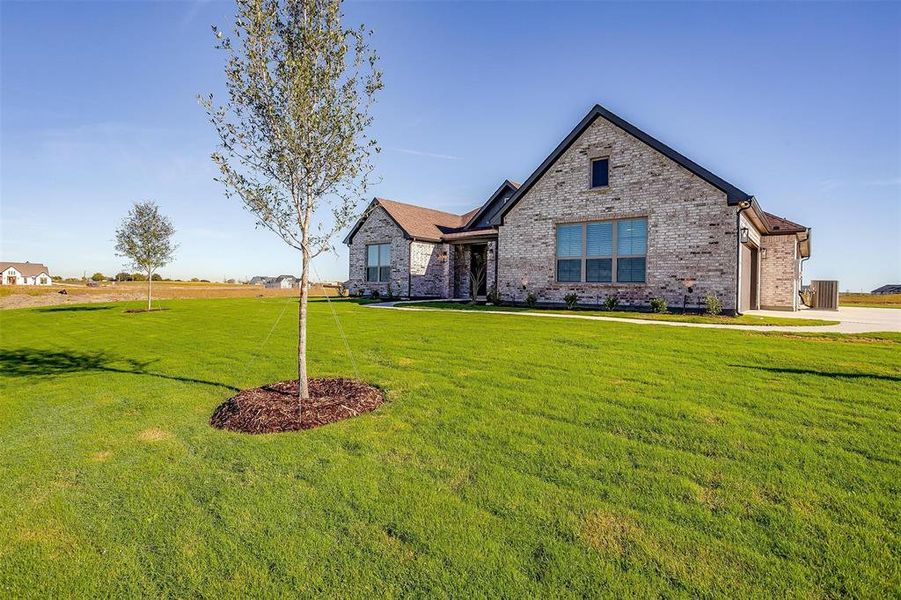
<point x="272" y="408"/>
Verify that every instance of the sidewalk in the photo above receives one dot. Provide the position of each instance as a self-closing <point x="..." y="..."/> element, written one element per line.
<point x="851" y="319"/>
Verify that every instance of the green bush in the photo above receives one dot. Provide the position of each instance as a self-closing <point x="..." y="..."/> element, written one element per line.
<point x="531" y="299"/>
<point x="98" y="277"/>
<point x="494" y="297"/>
<point x="713" y="303"/>
<point x="610" y="302"/>
<point x="375" y="294"/>
<point x="658" y="305"/>
<point x="571" y="300"/>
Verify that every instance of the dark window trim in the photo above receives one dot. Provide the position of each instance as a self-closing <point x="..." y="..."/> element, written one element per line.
<point x="591" y="162"/>
<point x="378" y="267"/>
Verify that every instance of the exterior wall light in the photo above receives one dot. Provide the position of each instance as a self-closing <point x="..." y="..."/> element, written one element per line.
<point x="745" y="237"/>
<point x="763" y="253"/>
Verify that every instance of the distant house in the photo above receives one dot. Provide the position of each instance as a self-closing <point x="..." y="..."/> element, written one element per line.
<point x="892" y="288"/>
<point x="24" y="273"/>
<point x="282" y="281"/>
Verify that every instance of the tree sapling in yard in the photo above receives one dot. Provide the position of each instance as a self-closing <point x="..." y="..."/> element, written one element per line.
<point x="292" y="135"/>
<point x="145" y="238"/>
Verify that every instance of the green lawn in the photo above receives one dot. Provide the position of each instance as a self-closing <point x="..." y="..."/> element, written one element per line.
<point x="516" y="457"/>
<point x="624" y="314"/>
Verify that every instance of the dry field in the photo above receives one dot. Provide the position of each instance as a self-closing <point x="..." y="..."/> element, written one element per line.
<point x="22" y="296"/>
<point x="872" y="300"/>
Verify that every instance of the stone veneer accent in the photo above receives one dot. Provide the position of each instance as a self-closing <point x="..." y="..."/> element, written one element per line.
<point x="691" y="229"/>
<point x="780" y="272"/>
<point x="429" y="269"/>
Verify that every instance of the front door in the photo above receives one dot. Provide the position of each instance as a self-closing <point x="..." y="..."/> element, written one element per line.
<point x="749" y="279"/>
<point x="478" y="269"/>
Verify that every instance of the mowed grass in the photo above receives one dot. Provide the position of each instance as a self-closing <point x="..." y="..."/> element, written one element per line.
<point x="516" y="457"/>
<point x="626" y="314"/>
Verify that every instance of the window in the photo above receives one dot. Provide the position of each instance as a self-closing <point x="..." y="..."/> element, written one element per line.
<point x="569" y="252"/>
<point x="43" y="281"/>
<point x="378" y="263"/>
<point x="593" y="252"/>
<point x="600" y="172"/>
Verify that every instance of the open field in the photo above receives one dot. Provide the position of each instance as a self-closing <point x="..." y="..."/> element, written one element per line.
<point x="23" y="296"/>
<point x="870" y="300"/>
<point x="625" y="314"/>
<point x="515" y="457"/>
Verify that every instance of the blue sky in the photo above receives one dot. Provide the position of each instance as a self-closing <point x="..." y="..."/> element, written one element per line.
<point x="798" y="104"/>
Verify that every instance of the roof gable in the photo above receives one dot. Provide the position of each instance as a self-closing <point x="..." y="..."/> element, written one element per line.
<point x="487" y="215"/>
<point x="733" y="194"/>
<point x="27" y="269"/>
<point x="417" y="222"/>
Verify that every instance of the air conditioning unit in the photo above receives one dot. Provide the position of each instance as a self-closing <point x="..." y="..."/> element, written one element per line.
<point x="825" y="294"/>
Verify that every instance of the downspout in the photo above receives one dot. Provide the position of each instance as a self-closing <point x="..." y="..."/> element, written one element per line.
<point x="409" y="267"/>
<point x="497" y="258"/>
<point x="801" y="269"/>
<point x="742" y="207"/>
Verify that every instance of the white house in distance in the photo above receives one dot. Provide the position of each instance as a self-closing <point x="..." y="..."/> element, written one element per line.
<point x="24" y="273"/>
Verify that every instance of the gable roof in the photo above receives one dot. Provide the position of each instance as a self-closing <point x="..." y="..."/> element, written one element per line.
<point x="27" y="269"/>
<point x="733" y="194"/>
<point x="485" y="216"/>
<point x="417" y="222"/>
<point x="777" y="224"/>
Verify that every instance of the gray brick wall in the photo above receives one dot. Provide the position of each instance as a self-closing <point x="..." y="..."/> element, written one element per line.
<point x="779" y="272"/>
<point x="379" y="228"/>
<point x="691" y="229"/>
<point x="429" y="269"/>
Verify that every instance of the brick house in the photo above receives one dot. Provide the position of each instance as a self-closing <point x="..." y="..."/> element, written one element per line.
<point x="611" y="211"/>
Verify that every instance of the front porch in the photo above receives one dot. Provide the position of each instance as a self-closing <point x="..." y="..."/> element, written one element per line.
<point x="474" y="266"/>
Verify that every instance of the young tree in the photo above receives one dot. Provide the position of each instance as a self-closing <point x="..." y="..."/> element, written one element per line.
<point x="145" y="238"/>
<point x="293" y="132"/>
<point x="98" y="277"/>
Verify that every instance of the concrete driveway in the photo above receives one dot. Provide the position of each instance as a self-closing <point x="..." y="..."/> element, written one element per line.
<point x="852" y="319"/>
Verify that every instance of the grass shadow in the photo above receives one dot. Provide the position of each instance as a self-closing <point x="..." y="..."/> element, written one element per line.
<point x="31" y="362"/>
<point x="830" y="374"/>
<point x="72" y="308"/>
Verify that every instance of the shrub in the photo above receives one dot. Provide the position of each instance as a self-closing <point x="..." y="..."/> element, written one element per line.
<point x="713" y="303"/>
<point x="98" y="277"/>
<point x="158" y="277"/>
<point x="389" y="293"/>
<point x="375" y="295"/>
<point x="494" y="297"/>
<point x="571" y="300"/>
<point x="610" y="303"/>
<point x="342" y="291"/>
<point x="531" y="299"/>
<point x="658" y="305"/>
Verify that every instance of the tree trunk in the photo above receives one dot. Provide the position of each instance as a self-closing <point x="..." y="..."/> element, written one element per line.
<point x="303" y="387"/>
<point x="149" y="287"/>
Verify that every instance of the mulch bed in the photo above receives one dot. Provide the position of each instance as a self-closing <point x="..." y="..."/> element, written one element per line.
<point x="273" y="408"/>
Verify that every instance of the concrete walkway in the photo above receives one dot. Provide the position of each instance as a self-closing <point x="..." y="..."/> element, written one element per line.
<point x="851" y="319"/>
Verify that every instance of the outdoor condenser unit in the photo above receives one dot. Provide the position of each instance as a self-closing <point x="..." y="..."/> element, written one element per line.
<point x="825" y="294"/>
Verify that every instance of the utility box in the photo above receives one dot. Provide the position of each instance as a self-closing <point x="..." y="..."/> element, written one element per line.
<point x="825" y="294"/>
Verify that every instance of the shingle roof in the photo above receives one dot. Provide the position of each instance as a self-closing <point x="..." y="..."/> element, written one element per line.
<point x="420" y="222"/>
<point x="27" y="269"/>
<point x="779" y="224"/>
